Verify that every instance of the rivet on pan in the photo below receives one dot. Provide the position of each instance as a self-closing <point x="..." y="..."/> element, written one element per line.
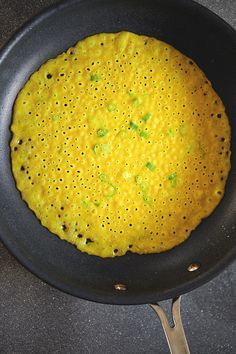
<point x="193" y="266"/>
<point x="120" y="287"/>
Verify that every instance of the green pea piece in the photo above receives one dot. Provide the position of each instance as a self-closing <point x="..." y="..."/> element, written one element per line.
<point x="171" y="133"/>
<point x="173" y="179"/>
<point x="133" y="126"/>
<point x="147" y="199"/>
<point x="103" y="177"/>
<point x="141" y="183"/>
<point x="146" y="117"/>
<point x="102" y="132"/>
<point x="96" y="148"/>
<point x="85" y="204"/>
<point x="150" y="166"/>
<point x="111" y="107"/>
<point x="137" y="102"/>
<point x="101" y="149"/>
<point x="138" y="179"/>
<point x="111" y="190"/>
<point x="56" y="117"/>
<point x="131" y="93"/>
<point x="144" y="134"/>
<point x="95" y="77"/>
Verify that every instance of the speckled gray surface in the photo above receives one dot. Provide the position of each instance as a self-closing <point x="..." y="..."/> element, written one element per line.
<point x="35" y="318"/>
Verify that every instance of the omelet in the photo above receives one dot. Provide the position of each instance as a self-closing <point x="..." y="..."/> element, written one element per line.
<point x="120" y="144"/>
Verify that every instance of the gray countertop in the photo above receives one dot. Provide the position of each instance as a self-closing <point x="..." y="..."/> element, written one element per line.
<point x="36" y="318"/>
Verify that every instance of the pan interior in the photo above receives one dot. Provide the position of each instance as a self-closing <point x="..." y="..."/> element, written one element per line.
<point x="210" y="42"/>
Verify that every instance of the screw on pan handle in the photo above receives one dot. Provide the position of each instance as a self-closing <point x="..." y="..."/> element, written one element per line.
<point x="175" y="335"/>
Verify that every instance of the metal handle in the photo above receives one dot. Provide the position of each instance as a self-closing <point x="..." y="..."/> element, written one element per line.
<point x="174" y="334"/>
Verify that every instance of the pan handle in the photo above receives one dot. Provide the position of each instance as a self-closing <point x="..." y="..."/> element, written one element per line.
<point x="174" y="334"/>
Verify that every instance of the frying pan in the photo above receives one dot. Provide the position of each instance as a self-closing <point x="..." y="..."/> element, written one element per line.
<point x="131" y="279"/>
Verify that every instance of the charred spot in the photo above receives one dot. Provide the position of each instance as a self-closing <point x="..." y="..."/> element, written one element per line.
<point x="22" y="168"/>
<point x="64" y="228"/>
<point x="49" y="76"/>
<point x="88" y="240"/>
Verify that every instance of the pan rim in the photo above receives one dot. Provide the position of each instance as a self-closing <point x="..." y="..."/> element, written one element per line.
<point x="19" y="32"/>
<point x="118" y="300"/>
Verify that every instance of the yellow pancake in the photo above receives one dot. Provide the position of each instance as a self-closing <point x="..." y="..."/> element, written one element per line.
<point x="120" y="144"/>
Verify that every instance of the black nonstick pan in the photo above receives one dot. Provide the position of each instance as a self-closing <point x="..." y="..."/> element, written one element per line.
<point x="131" y="279"/>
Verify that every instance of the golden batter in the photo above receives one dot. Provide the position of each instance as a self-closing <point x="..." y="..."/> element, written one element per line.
<point x="120" y="144"/>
